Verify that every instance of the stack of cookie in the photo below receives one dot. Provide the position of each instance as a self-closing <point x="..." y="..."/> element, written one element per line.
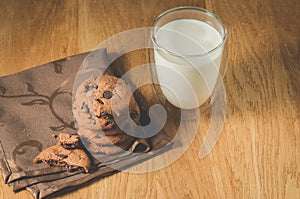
<point x="99" y="102"/>
<point x="66" y="153"/>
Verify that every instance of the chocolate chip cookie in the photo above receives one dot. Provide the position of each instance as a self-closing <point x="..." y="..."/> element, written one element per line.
<point x="57" y="155"/>
<point x="99" y="103"/>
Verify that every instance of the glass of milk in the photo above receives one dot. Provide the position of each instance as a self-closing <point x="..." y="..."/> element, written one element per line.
<point x="189" y="54"/>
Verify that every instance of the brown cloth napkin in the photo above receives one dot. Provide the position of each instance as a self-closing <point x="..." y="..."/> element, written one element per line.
<point x="36" y="103"/>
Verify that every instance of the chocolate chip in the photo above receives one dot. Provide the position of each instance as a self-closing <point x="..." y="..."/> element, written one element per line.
<point x="108" y="116"/>
<point x="108" y="123"/>
<point x="103" y="114"/>
<point x="134" y="115"/>
<point x="52" y="162"/>
<point x="62" y="156"/>
<point x="85" y="108"/>
<point x="98" y="136"/>
<point x="107" y="94"/>
<point x="99" y="101"/>
<point x="90" y="87"/>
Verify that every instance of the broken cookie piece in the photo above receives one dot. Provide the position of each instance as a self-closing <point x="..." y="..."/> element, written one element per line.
<point x="67" y="140"/>
<point x="59" y="156"/>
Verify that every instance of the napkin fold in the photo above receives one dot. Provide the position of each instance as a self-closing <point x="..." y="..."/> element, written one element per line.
<point x="36" y="103"/>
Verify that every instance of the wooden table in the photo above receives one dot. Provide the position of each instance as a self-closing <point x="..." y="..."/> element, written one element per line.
<point x="258" y="153"/>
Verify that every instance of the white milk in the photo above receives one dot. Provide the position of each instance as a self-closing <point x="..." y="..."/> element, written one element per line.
<point x="187" y="82"/>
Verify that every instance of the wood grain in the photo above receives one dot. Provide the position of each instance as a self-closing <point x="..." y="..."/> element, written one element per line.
<point x="257" y="155"/>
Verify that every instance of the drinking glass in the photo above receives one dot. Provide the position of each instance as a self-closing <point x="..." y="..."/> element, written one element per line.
<point x="190" y="56"/>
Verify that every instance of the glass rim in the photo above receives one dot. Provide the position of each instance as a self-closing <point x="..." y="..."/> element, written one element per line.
<point x="205" y="11"/>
